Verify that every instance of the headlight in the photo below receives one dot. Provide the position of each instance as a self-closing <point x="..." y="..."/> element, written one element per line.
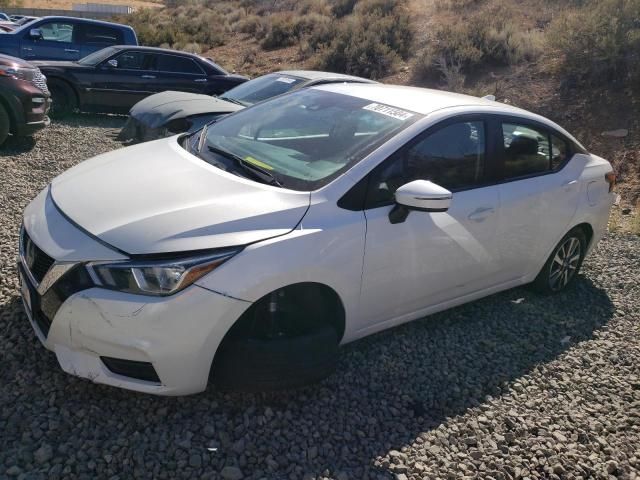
<point x="157" y="277"/>
<point x="19" y="73"/>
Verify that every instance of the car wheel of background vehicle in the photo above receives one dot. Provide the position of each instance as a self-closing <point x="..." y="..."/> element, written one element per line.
<point x="4" y="125"/>
<point x="284" y="340"/>
<point x="563" y="265"/>
<point x="63" y="100"/>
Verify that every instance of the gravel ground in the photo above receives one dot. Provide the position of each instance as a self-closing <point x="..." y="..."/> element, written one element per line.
<point x="512" y="386"/>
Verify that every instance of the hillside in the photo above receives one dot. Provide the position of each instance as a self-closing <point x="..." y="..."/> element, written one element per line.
<point x="575" y="61"/>
<point x="68" y="4"/>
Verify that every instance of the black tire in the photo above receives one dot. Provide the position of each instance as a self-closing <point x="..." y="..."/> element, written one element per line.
<point x="271" y="351"/>
<point x="562" y="267"/>
<point x="258" y="365"/>
<point x="63" y="100"/>
<point x="5" y="125"/>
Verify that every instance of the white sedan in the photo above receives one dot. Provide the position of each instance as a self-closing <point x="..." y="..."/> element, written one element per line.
<point x="246" y="253"/>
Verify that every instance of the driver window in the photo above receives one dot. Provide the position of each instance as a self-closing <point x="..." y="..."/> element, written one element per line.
<point x="131" y="61"/>
<point x="452" y="157"/>
<point x="57" y="32"/>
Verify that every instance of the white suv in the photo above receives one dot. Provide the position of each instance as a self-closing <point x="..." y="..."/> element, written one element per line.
<point x="247" y="252"/>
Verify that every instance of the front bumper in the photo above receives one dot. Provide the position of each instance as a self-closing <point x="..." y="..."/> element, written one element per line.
<point x="177" y="335"/>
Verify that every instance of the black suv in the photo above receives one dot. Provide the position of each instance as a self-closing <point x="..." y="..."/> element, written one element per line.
<point x="24" y="98"/>
<point x="116" y="78"/>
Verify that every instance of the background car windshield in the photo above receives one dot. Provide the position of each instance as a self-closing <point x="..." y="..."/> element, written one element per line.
<point x="263" y="88"/>
<point x="307" y="138"/>
<point x="97" y="57"/>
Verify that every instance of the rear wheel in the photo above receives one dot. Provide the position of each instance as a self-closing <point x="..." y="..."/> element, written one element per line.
<point x="4" y="125"/>
<point x="563" y="265"/>
<point x="63" y="100"/>
<point x="284" y="340"/>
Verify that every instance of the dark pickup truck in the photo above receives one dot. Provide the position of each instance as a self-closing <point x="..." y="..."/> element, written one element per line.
<point x="64" y="38"/>
<point x="24" y="98"/>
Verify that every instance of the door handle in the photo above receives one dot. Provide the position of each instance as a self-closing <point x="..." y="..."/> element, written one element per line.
<point x="148" y="76"/>
<point x="28" y="49"/>
<point x="71" y="50"/>
<point x="568" y="184"/>
<point x="479" y="214"/>
<point x="200" y="80"/>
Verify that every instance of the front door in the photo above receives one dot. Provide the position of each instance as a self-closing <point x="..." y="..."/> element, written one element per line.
<point x="431" y="258"/>
<point x="122" y="84"/>
<point x="57" y="42"/>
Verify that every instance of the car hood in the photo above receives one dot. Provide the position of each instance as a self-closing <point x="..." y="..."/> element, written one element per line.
<point x="57" y="64"/>
<point x="156" y="110"/>
<point x="158" y="198"/>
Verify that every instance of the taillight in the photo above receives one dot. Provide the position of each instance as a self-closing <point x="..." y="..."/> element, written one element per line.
<point x="611" y="178"/>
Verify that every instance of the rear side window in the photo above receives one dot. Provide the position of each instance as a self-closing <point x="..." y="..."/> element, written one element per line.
<point x="57" y="32"/>
<point x="100" y="35"/>
<point x="176" y="64"/>
<point x="452" y="157"/>
<point x="526" y="150"/>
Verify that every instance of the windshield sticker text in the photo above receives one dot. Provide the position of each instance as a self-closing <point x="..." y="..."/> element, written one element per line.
<point x="389" y="111"/>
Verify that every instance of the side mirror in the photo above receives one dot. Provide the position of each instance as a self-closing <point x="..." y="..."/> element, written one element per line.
<point x="35" y="34"/>
<point x="420" y="195"/>
<point x="113" y="63"/>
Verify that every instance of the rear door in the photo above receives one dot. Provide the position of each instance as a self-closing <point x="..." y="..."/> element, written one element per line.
<point x="177" y="72"/>
<point x="539" y="193"/>
<point x="93" y="37"/>
<point x="58" y="42"/>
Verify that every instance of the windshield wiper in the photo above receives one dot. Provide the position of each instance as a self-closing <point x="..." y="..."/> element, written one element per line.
<point x="232" y="100"/>
<point x="258" y="172"/>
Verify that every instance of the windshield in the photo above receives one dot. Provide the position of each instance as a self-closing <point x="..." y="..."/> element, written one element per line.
<point x="97" y="57"/>
<point x="262" y="88"/>
<point x="302" y="140"/>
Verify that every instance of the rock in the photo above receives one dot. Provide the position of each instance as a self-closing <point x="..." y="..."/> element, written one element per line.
<point x="43" y="454"/>
<point x="14" y="471"/>
<point x="620" y="133"/>
<point x="195" y="461"/>
<point x="231" y="473"/>
<point x="312" y="452"/>
<point x="559" y="437"/>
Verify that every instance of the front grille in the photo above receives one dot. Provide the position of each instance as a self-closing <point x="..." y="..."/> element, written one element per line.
<point x="37" y="261"/>
<point x="40" y="81"/>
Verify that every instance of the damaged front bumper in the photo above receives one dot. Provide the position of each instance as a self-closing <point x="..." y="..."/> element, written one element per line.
<point x="176" y="337"/>
<point x="161" y="345"/>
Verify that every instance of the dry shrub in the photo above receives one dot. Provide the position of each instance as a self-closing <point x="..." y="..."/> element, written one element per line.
<point x="600" y="42"/>
<point x="288" y="28"/>
<point x="366" y="45"/>
<point x="484" y="39"/>
<point x="340" y="8"/>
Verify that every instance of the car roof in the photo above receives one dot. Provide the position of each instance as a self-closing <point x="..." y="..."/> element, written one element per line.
<point x="414" y="99"/>
<point x="319" y="75"/>
<point x="156" y="49"/>
<point x="426" y="101"/>
<point x="84" y="20"/>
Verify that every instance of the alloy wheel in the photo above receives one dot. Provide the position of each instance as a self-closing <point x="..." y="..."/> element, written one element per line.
<point x="565" y="263"/>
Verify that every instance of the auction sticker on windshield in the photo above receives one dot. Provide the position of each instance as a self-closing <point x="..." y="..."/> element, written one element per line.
<point x="392" y="112"/>
<point x="285" y="80"/>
